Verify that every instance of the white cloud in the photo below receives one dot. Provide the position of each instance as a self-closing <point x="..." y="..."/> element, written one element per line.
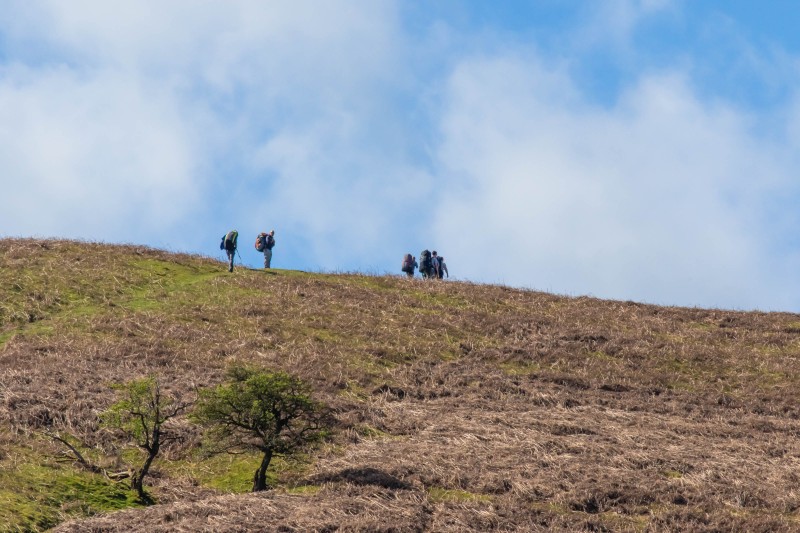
<point x="131" y="116"/>
<point x="660" y="198"/>
<point x="90" y="156"/>
<point x="280" y="46"/>
<point x="613" y="22"/>
<point x="340" y="196"/>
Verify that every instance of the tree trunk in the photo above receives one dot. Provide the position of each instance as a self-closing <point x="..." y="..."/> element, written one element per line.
<point x="137" y="481"/>
<point x="260" y="478"/>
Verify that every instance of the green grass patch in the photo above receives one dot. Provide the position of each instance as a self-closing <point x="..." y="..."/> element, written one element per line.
<point x="681" y="385"/>
<point x="449" y="355"/>
<point x="625" y="522"/>
<point x="602" y="356"/>
<point x="301" y="274"/>
<point x="143" y="303"/>
<point x="355" y="391"/>
<point x="611" y="520"/>
<point x="227" y="473"/>
<point x="304" y="490"/>
<point x="233" y="473"/>
<point x="679" y="366"/>
<point x="551" y="508"/>
<point x="770" y="378"/>
<point x="323" y="335"/>
<point x="441" y="495"/>
<point x="6" y="336"/>
<point x="373" y="282"/>
<point x="176" y="271"/>
<point x="436" y="303"/>
<point x="38" y="497"/>
<point x="42" y="328"/>
<point x="368" y="432"/>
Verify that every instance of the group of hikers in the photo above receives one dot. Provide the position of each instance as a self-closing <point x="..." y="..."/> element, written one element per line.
<point x="431" y="265"/>
<point x="264" y="243"/>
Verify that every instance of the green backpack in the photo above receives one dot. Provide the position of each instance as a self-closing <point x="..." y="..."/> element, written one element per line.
<point x="229" y="241"/>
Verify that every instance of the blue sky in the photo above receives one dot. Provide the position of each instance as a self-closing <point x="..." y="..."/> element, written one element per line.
<point x="626" y="149"/>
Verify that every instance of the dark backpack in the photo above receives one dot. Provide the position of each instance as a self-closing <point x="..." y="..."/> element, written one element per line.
<point x="408" y="264"/>
<point x="425" y="263"/>
<point x="261" y="242"/>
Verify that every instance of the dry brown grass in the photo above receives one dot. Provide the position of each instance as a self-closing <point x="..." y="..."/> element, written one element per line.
<point x="459" y="407"/>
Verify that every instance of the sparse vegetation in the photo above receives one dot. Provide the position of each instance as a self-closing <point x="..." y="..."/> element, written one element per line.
<point x="455" y="406"/>
<point x="38" y="491"/>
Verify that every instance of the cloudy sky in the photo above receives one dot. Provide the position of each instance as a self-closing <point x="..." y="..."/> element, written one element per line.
<point x="627" y="149"/>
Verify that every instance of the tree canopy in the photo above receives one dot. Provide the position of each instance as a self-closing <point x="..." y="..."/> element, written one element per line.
<point x="260" y="410"/>
<point x="140" y="413"/>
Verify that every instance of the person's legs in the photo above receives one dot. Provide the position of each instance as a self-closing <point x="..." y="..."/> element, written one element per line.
<point x="230" y="260"/>
<point x="267" y="257"/>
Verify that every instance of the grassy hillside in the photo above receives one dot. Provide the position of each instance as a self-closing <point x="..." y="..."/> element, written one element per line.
<point x="457" y="406"/>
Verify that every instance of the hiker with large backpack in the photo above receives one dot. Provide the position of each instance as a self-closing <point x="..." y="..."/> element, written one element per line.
<point x="425" y="264"/>
<point x="435" y="263"/>
<point x="264" y="243"/>
<point x="442" y="268"/>
<point x="229" y="245"/>
<point x="408" y="265"/>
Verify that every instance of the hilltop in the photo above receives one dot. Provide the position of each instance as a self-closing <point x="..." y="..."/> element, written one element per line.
<point x="457" y="406"/>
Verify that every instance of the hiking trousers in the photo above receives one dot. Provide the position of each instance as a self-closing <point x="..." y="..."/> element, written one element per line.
<point x="267" y="257"/>
<point x="231" y="255"/>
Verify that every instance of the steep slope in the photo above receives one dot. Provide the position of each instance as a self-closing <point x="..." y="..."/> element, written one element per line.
<point x="458" y="406"/>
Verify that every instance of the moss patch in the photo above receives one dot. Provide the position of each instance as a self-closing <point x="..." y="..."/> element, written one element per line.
<point x="440" y="495"/>
<point x="38" y="497"/>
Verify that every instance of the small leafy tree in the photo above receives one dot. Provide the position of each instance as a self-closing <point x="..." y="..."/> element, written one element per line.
<point x="260" y="410"/>
<point x="141" y="412"/>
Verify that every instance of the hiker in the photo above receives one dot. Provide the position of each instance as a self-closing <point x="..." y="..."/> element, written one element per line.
<point x="229" y="245"/>
<point x="409" y="264"/>
<point x="264" y="243"/>
<point x="435" y="262"/>
<point x="442" y="268"/>
<point x="425" y="264"/>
